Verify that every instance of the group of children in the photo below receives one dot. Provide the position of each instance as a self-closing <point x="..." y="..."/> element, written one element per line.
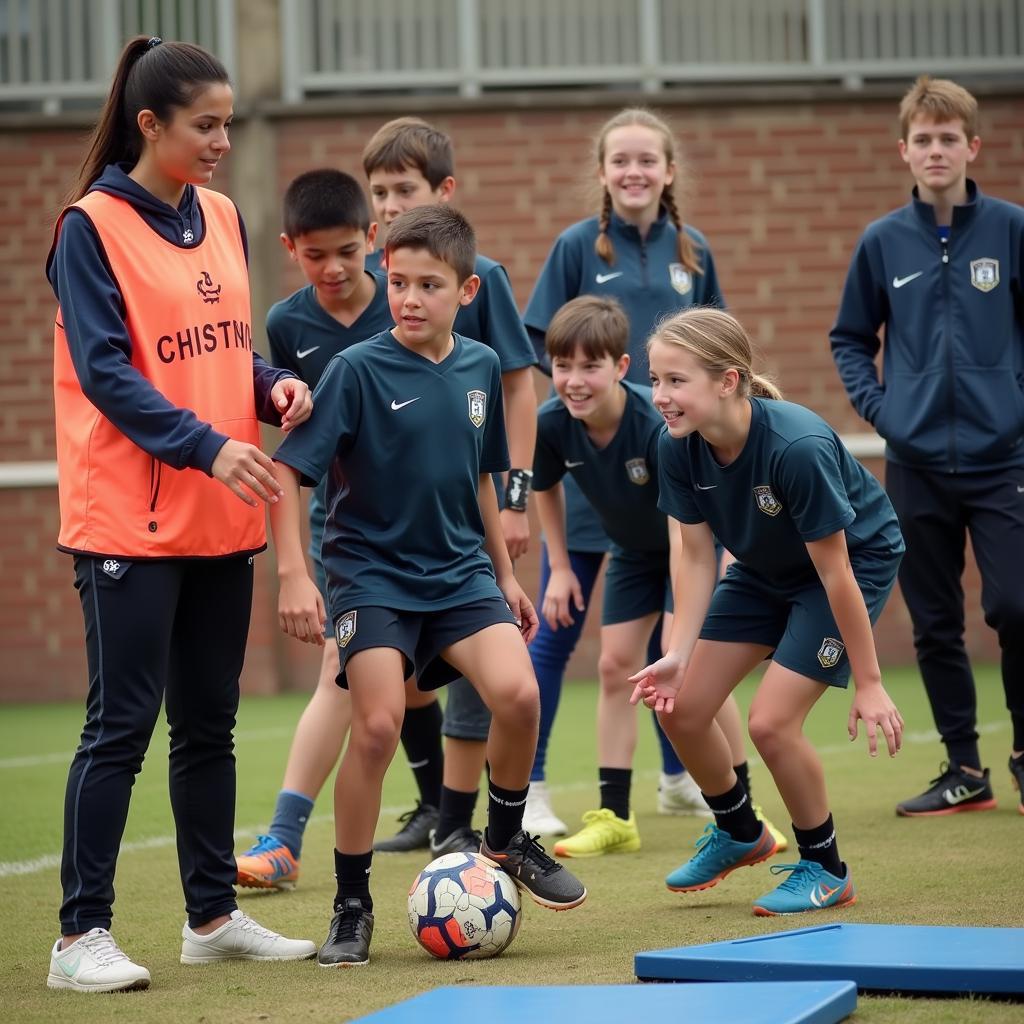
<point x="660" y="445"/>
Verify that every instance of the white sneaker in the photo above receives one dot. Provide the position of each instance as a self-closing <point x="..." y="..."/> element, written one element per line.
<point x="94" y="963"/>
<point x="242" y="938"/>
<point x="679" y="794"/>
<point x="538" y="817"/>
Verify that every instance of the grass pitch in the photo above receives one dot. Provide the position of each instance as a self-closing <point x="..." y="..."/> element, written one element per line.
<point x="960" y="870"/>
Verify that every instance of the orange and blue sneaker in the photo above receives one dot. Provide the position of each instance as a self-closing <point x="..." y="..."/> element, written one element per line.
<point x="809" y="887"/>
<point x="268" y="864"/>
<point x="718" y="854"/>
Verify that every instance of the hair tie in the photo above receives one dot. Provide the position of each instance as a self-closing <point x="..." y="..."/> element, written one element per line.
<point x="154" y="41"/>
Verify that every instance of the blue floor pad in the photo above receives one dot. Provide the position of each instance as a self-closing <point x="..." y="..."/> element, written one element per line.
<point x="909" y="959"/>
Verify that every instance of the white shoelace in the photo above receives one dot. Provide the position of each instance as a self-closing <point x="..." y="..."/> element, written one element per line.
<point x="249" y="925"/>
<point x="103" y="948"/>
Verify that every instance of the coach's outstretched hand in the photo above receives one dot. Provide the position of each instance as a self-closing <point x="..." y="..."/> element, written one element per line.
<point x="293" y="400"/>
<point x="246" y="471"/>
<point x="873" y="706"/>
<point x="658" y="684"/>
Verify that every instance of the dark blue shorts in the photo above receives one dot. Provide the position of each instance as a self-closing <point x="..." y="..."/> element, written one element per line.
<point x="419" y="636"/>
<point x="797" y="623"/>
<point x="636" y="583"/>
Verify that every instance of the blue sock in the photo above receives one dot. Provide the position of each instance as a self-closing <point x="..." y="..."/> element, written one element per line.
<point x="290" y="817"/>
<point x="670" y="763"/>
<point x="551" y="649"/>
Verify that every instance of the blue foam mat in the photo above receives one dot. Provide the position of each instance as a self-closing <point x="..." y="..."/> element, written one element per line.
<point x="890" y="958"/>
<point x="810" y="1002"/>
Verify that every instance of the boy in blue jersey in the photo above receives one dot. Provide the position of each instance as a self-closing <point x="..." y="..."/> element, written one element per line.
<point x="327" y="232"/>
<point x="945" y="275"/>
<point x="419" y="577"/>
<point x="603" y="432"/>
<point x="817" y="547"/>
<point x="409" y="163"/>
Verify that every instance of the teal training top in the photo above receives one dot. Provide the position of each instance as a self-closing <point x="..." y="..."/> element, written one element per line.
<point x="620" y="480"/>
<point x="794" y="482"/>
<point x="405" y="441"/>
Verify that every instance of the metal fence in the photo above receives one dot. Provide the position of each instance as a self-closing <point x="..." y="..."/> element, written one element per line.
<point x="57" y="52"/>
<point x="467" y="46"/>
<point x="60" y="52"/>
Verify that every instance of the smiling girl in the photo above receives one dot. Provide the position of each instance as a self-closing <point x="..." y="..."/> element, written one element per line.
<point x="162" y="483"/>
<point x="817" y="546"/>
<point x="638" y="251"/>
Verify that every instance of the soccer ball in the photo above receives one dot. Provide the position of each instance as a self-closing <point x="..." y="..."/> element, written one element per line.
<point x="461" y="907"/>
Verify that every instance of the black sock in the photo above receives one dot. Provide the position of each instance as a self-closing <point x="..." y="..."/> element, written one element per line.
<point x="456" y="812"/>
<point x="819" y="844"/>
<point x="504" y="814"/>
<point x="734" y="813"/>
<point x="352" y="870"/>
<point x="615" y="784"/>
<point x="743" y="774"/>
<point x="421" y="741"/>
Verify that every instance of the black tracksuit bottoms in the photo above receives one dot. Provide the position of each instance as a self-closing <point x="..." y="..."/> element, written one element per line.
<point x="936" y="512"/>
<point x="172" y="631"/>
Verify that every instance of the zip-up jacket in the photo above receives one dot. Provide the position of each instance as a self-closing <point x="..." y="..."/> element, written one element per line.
<point x="136" y="405"/>
<point x="951" y="397"/>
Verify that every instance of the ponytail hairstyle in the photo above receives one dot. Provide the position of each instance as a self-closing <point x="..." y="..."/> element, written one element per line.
<point x="150" y="75"/>
<point x="686" y="248"/>
<point x="719" y="343"/>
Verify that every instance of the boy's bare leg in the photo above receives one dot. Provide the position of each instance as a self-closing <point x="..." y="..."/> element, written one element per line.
<point x="321" y="731"/>
<point x="376" y="685"/>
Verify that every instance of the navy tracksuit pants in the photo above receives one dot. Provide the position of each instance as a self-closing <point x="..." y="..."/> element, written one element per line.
<point x="936" y="512"/>
<point x="171" y="631"/>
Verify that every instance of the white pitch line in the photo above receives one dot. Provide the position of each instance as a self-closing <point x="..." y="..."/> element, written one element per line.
<point x="9" y="869"/>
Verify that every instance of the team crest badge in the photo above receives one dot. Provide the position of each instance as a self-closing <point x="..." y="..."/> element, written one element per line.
<point x="345" y="628"/>
<point x="830" y="651"/>
<point x="477" y="407"/>
<point x="985" y="274"/>
<point x="681" y="278"/>
<point x="766" y="501"/>
<point x="637" y="470"/>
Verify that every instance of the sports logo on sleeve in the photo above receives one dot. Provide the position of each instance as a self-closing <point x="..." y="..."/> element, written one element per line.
<point x="681" y="278"/>
<point x="985" y="273"/>
<point x="345" y="628"/>
<point x="830" y="651"/>
<point x="638" y="472"/>
<point x="477" y="407"/>
<point x="766" y="501"/>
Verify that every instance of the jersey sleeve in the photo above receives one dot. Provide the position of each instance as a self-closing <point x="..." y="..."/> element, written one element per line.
<point x="502" y="325"/>
<point x="333" y="427"/>
<point x="494" y="452"/>
<point x="811" y="488"/>
<point x="280" y="351"/>
<point x="675" y="487"/>
<point x="548" y="461"/>
<point x="560" y="280"/>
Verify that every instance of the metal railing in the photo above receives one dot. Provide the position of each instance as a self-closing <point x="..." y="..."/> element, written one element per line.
<point x="467" y="46"/>
<point x="57" y="52"/>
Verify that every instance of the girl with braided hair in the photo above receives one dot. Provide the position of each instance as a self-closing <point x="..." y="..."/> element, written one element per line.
<point x="639" y="251"/>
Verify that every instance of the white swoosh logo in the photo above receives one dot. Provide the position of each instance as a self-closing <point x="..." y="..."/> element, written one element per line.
<point x="601" y="278"/>
<point x="401" y="405"/>
<point x="899" y="282"/>
<point x="302" y="353"/>
<point x="572" y="465"/>
<point x="706" y="487"/>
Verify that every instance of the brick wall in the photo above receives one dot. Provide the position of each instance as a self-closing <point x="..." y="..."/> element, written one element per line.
<point x="781" y="191"/>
